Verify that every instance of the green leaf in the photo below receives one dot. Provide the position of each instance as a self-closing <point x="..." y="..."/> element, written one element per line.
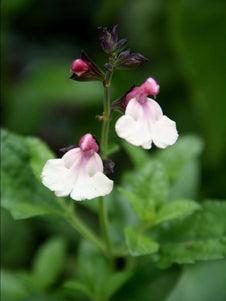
<point x="197" y="282"/>
<point x="175" y="157"/>
<point x="12" y="287"/>
<point x="76" y="285"/>
<point x="48" y="262"/>
<point x="39" y="154"/>
<point x="146" y="189"/>
<point x="175" y="209"/>
<point x="90" y="260"/>
<point x="199" y="236"/>
<point x="96" y="273"/>
<point x="22" y="194"/>
<point x="139" y="244"/>
<point x="148" y="280"/>
<point x="115" y="281"/>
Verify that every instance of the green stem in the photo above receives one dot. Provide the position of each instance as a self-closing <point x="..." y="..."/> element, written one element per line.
<point x="104" y="224"/>
<point x="71" y="217"/>
<point x="104" y="144"/>
<point x="106" y="115"/>
<point x="79" y="226"/>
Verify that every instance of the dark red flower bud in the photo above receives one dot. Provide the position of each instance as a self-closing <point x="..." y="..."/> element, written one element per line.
<point x="84" y="69"/>
<point x="79" y="67"/>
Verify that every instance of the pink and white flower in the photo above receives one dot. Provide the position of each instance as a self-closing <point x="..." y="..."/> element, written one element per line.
<point x="79" y="173"/>
<point x="144" y="122"/>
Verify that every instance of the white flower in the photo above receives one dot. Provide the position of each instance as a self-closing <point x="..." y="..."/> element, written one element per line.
<point x="144" y="122"/>
<point x="79" y="173"/>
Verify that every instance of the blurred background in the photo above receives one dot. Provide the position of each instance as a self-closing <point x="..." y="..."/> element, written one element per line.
<point x="183" y="40"/>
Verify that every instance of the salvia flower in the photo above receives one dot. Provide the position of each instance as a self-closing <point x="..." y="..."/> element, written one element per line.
<point x="84" y="69"/>
<point x="144" y="122"/>
<point x="79" y="173"/>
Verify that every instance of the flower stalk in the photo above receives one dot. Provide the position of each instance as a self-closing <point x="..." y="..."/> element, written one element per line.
<point x="104" y="145"/>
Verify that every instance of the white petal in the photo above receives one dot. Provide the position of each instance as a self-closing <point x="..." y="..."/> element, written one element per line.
<point x="164" y="132"/>
<point x="91" y="182"/>
<point x="94" y="165"/>
<point x="153" y="109"/>
<point x="147" y="145"/>
<point x="57" y="177"/>
<point x="133" y="126"/>
<point x="91" y="187"/>
<point x="71" y="157"/>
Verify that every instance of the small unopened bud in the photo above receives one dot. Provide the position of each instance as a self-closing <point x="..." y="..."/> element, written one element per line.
<point x="108" y="39"/>
<point x="84" y="69"/>
<point x="79" y="67"/>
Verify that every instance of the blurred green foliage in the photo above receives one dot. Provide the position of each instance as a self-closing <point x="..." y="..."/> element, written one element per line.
<point x="184" y="41"/>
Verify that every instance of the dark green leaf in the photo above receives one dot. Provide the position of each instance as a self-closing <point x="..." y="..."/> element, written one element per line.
<point x="39" y="154"/>
<point x="200" y="236"/>
<point x="22" y="194"/>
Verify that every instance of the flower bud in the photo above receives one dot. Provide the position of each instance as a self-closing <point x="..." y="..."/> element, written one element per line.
<point x="130" y="61"/>
<point x="84" y="69"/>
<point x="79" y="67"/>
<point x="121" y="44"/>
<point x="108" y="39"/>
